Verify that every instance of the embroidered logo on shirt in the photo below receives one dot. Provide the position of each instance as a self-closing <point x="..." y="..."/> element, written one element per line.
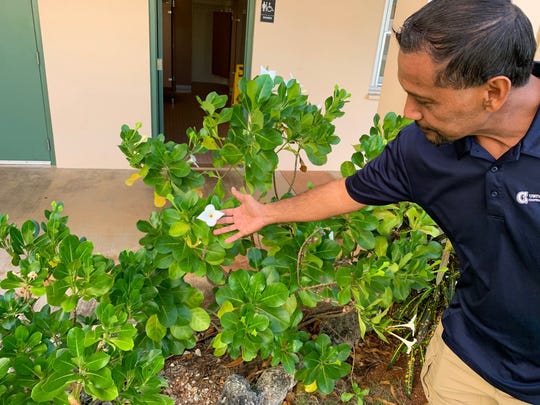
<point x="524" y="197"/>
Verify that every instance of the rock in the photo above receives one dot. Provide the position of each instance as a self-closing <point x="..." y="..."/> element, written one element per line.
<point x="273" y="386"/>
<point x="237" y="391"/>
<point x="342" y="329"/>
<point x="271" y="389"/>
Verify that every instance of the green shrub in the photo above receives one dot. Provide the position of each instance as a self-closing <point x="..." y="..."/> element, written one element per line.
<point x="146" y="310"/>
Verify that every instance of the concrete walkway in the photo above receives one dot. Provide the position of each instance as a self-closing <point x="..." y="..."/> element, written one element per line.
<point x="100" y="206"/>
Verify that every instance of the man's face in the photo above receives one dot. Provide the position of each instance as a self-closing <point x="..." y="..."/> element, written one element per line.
<point x="444" y="114"/>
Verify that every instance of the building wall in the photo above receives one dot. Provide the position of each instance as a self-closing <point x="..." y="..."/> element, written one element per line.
<point x="97" y="66"/>
<point x="323" y="44"/>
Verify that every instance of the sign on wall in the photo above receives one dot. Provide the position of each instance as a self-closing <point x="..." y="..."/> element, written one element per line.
<point x="268" y="10"/>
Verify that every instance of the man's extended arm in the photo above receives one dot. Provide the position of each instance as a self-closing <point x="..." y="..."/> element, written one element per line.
<point x="313" y="205"/>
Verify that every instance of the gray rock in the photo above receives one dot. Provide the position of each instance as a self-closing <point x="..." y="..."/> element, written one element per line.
<point x="271" y="389"/>
<point x="342" y="329"/>
<point x="237" y="391"/>
<point x="273" y="386"/>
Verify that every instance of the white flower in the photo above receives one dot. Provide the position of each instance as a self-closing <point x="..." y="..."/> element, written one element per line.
<point x="331" y="235"/>
<point x="409" y="325"/>
<point x="265" y="71"/>
<point x="407" y="343"/>
<point x="192" y="160"/>
<point x="32" y="275"/>
<point x="210" y="215"/>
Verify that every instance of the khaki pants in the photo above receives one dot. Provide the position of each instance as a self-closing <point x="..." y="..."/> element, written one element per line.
<point x="449" y="381"/>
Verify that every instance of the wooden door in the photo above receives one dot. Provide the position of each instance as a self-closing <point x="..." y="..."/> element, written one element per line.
<point x="221" y="43"/>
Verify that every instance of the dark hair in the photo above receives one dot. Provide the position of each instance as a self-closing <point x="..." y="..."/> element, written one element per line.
<point x="474" y="40"/>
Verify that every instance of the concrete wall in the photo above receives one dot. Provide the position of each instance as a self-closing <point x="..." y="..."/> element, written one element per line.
<point x="97" y="65"/>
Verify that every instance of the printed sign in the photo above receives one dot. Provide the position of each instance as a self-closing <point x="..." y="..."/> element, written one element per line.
<point x="268" y="10"/>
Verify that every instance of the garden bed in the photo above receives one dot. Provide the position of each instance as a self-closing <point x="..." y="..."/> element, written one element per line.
<point x="197" y="377"/>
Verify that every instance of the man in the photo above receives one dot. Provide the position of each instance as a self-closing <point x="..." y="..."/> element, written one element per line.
<point x="472" y="161"/>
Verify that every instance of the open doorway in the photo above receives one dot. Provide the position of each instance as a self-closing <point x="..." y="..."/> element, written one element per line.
<point x="203" y="51"/>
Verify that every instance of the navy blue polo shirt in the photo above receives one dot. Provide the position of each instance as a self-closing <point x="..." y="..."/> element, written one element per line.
<point x="490" y="210"/>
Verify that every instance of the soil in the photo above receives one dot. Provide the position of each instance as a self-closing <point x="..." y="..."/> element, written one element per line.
<point x="197" y="377"/>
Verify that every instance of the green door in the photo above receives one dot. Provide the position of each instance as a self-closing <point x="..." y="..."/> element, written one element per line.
<point x="24" y="120"/>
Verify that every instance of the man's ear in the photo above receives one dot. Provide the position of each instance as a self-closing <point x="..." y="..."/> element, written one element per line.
<point x="497" y="91"/>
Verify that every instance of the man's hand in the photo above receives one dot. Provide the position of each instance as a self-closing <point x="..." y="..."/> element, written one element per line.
<point x="319" y="203"/>
<point x="245" y="219"/>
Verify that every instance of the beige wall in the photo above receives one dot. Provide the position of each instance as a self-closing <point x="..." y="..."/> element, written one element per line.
<point x="322" y="44"/>
<point x="532" y="9"/>
<point x="97" y="66"/>
<point x="392" y="96"/>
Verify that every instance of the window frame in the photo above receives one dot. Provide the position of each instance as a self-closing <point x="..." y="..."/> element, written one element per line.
<point x="385" y="36"/>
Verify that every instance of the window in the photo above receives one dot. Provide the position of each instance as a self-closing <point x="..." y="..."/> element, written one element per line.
<point x="382" y="49"/>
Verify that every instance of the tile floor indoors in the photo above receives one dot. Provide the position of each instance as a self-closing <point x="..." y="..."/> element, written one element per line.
<point x="98" y="203"/>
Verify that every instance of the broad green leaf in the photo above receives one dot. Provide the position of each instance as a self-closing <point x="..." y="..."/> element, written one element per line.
<point x="266" y="85"/>
<point x="181" y="332"/>
<point x="175" y="271"/>
<point x="52" y="386"/>
<point x="231" y="153"/>
<point x="123" y="338"/>
<point x="23" y="367"/>
<point x="274" y="295"/>
<point x="84" y="250"/>
<point x="279" y="318"/>
<point x="257" y="283"/>
<point x="210" y="143"/>
<point x="225" y="307"/>
<point x="381" y="245"/>
<point x="29" y="231"/>
<point x="68" y="248"/>
<point x="17" y="241"/>
<point x="168" y="310"/>
<point x="308" y="298"/>
<point x="239" y="283"/>
<point x="180" y="169"/>
<point x="215" y="254"/>
<point x="96" y="361"/>
<point x="329" y="249"/>
<point x="347" y="169"/>
<point x="11" y="281"/>
<point x="4" y="366"/>
<point x="179" y="229"/>
<point x="365" y="239"/>
<point x="22" y="333"/>
<point x="62" y="362"/>
<point x="269" y="138"/>
<point x="220" y="348"/>
<point x="69" y="303"/>
<point x="75" y="342"/>
<point x="256" y="256"/>
<point x="154" y="329"/>
<point x="99" y="284"/>
<point x="200" y="320"/>
<point x="101" y="385"/>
